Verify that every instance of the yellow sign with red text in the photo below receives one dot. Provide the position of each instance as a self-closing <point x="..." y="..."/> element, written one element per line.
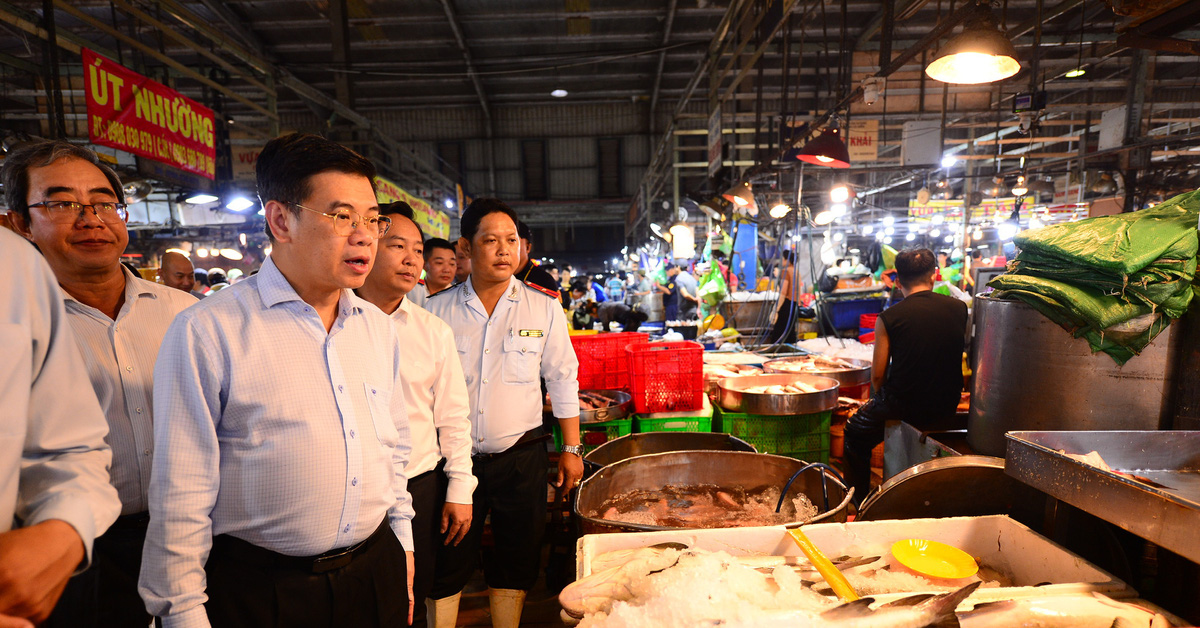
<point x="433" y="223"/>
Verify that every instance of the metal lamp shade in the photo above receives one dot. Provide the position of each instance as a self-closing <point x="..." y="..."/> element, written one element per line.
<point x="827" y="149"/>
<point x="981" y="53"/>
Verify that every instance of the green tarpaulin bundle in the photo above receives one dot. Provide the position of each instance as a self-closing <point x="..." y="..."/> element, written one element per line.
<point x="1115" y="280"/>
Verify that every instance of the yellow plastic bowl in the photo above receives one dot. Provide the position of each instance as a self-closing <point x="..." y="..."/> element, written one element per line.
<point x="934" y="559"/>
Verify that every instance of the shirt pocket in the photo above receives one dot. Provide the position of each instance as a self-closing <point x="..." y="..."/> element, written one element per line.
<point x="522" y="359"/>
<point x="379" y="403"/>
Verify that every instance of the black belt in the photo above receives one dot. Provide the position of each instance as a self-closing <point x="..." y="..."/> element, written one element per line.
<point x="136" y="521"/>
<point x="535" y="435"/>
<point x="248" y="552"/>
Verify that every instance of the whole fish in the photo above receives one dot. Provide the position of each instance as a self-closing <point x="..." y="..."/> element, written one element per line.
<point x="1061" y="611"/>
<point x="918" y="611"/>
<point x="598" y="591"/>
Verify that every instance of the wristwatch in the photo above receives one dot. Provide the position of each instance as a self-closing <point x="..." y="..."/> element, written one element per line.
<point x="573" y="449"/>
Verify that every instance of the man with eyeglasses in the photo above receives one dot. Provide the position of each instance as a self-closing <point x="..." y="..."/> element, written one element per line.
<point x="71" y="206"/>
<point x="278" y="496"/>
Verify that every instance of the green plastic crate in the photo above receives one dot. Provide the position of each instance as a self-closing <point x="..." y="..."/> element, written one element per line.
<point x="673" y="424"/>
<point x="593" y="435"/>
<point x="682" y="421"/>
<point x="804" y="437"/>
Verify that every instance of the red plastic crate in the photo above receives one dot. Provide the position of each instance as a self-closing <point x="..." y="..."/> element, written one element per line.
<point x="867" y="321"/>
<point x="603" y="364"/>
<point x="666" y="376"/>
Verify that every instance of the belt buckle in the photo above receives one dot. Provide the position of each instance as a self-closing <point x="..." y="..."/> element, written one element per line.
<point x="334" y="562"/>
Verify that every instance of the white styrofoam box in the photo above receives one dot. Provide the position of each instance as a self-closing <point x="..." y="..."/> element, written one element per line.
<point x="999" y="542"/>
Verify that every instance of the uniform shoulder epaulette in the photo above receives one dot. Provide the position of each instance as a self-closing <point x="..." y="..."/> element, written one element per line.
<point x="542" y="289"/>
<point x="421" y="281"/>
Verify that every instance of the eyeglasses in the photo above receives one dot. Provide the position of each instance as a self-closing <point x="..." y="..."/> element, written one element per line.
<point x="68" y="212"/>
<point x="346" y="221"/>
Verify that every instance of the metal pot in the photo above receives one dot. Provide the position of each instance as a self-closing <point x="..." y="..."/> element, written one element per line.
<point x="749" y="471"/>
<point x="659" y="442"/>
<point x="857" y="376"/>
<point x="621" y="403"/>
<point x="1030" y="374"/>
<point x="735" y="399"/>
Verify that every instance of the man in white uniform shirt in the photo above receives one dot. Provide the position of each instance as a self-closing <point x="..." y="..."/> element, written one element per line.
<point x="507" y="335"/>
<point x="278" y="496"/>
<point x="71" y="207"/>
<point x="55" y="497"/>
<point x="439" y="469"/>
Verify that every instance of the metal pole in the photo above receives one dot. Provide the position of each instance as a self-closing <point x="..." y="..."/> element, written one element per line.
<point x="54" y="101"/>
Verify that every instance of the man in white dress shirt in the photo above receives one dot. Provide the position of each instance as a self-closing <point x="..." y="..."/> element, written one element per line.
<point x="55" y="497"/>
<point x="72" y="210"/>
<point x="278" y="496"/>
<point x="508" y="335"/>
<point x="439" y="470"/>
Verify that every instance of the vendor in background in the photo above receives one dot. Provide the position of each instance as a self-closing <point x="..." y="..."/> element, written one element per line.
<point x="581" y="306"/>
<point x="917" y="366"/>
<point x="462" y="261"/>
<point x="689" y="295"/>
<point x="532" y="274"/>
<point x="508" y="336"/>
<point x="629" y="318"/>
<point x="784" y="328"/>
<point x="440" y="265"/>
<point x="670" y="292"/>
<point x="175" y="271"/>
<point x="439" y="468"/>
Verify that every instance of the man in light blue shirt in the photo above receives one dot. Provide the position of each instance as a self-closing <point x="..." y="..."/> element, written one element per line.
<point x="278" y="496"/>
<point x="55" y="497"/>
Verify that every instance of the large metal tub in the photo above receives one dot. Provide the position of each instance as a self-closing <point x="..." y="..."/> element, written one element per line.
<point x="660" y="442"/>
<point x="721" y="468"/>
<point x="857" y="376"/>
<point x="1030" y="374"/>
<point x="734" y="398"/>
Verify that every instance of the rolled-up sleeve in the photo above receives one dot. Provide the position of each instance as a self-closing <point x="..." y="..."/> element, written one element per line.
<point x="64" y="459"/>
<point x="401" y="513"/>
<point x="185" y="477"/>
<point x="452" y="418"/>
<point x="560" y="367"/>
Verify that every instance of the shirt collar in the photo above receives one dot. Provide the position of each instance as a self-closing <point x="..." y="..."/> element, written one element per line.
<point x="274" y="289"/>
<point x="469" y="297"/>
<point x="403" y="312"/>
<point x="133" y="289"/>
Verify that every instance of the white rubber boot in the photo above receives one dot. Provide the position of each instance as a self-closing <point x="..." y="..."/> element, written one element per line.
<point x="506" y="607"/>
<point x="442" y="613"/>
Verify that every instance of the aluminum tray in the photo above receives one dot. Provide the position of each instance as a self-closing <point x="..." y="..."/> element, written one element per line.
<point x="734" y="398"/>
<point x="857" y="376"/>
<point x="619" y="409"/>
<point x="1167" y="516"/>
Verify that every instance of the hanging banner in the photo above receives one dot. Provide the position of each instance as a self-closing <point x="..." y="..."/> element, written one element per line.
<point x="862" y="139"/>
<point x="433" y="223"/>
<point x="130" y="112"/>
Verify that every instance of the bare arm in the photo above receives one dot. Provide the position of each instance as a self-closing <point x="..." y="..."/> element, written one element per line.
<point x="879" y="362"/>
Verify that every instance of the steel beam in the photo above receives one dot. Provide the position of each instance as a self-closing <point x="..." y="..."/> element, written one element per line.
<point x="672" y="5"/>
<point x="461" y="39"/>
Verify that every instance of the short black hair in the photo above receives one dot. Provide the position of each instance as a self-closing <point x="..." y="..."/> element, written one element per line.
<point x="669" y="266"/>
<point x="550" y="267"/>
<point x="287" y="164"/>
<point x="632" y="320"/>
<point x="977" y="254"/>
<point x="400" y="208"/>
<point x="480" y="207"/>
<point x="437" y="243"/>
<point x="14" y="171"/>
<point x="914" y="265"/>
<point x="789" y="256"/>
<point x="580" y="285"/>
<point x="216" y="276"/>
<point x="523" y="231"/>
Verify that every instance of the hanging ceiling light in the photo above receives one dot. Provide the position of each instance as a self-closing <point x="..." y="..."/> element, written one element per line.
<point x="868" y="230"/>
<point x="740" y="195"/>
<point x="981" y="53"/>
<point x="780" y="210"/>
<point x="828" y="149"/>
<point x="1020" y="189"/>
<point x="823" y="218"/>
<point x="840" y="193"/>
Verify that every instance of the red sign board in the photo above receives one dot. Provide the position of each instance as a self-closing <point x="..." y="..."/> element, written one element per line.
<point x="130" y="112"/>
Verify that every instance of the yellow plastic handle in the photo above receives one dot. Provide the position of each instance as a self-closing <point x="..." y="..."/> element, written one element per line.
<point x="837" y="581"/>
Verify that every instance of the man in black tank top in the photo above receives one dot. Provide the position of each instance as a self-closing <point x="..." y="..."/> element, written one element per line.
<point x="917" y="369"/>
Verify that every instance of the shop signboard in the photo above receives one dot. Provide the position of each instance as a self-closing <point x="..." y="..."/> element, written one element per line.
<point x="130" y="112"/>
<point x="433" y="223"/>
<point x="863" y="140"/>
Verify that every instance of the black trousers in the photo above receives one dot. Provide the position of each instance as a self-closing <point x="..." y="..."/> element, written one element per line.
<point x="105" y="596"/>
<point x="251" y="587"/>
<point x="428" y="492"/>
<point x="864" y="431"/>
<point x="512" y="490"/>
<point x="784" y="329"/>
